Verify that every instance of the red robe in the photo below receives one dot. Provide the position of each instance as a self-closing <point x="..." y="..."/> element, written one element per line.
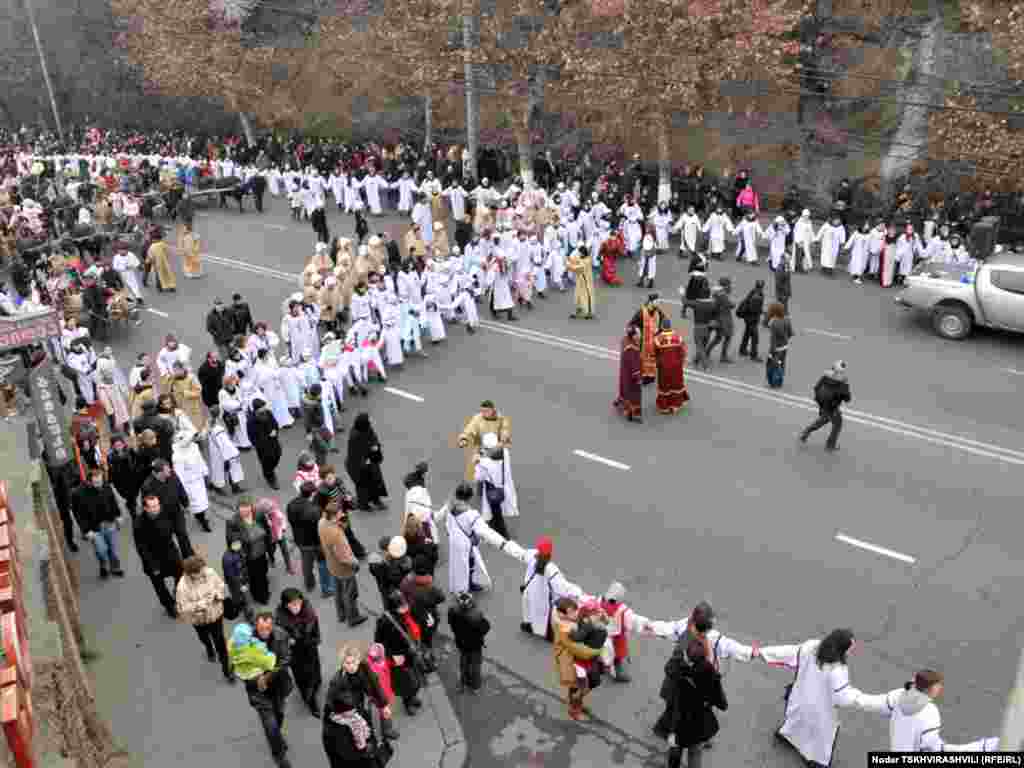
<point x="612" y="249"/>
<point x="630" y="399"/>
<point x="670" y="350"/>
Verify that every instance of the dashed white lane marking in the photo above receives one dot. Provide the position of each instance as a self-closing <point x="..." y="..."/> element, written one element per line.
<point x="875" y="548"/>
<point x="157" y="312"/>
<point x="830" y="334"/>
<point x="278" y="227"/>
<point x="1014" y="371"/>
<point x="406" y="395"/>
<point x="602" y="460"/>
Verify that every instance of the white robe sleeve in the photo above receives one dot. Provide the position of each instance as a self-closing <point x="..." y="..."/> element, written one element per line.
<point x="668" y="629"/>
<point x="727" y="648"/>
<point x="932" y="742"/>
<point x="488" y="534"/>
<point x="562" y="587"/>
<point x="633" y="621"/>
<point x="882" y="704"/>
<point x="781" y="655"/>
<point x="845" y="695"/>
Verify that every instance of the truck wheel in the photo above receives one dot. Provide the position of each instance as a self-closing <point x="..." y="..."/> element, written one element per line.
<point x="952" y="323"/>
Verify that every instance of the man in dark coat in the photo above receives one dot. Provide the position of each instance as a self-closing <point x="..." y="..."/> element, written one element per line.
<point x="831" y="391"/>
<point x="749" y="311"/>
<point x="221" y="326"/>
<point x="124" y="474"/>
<point x="304" y="517"/>
<point x="96" y="510"/>
<point x="162" y="427"/>
<point x="783" y="285"/>
<point x="268" y="693"/>
<point x="470" y="627"/>
<point x="263" y="432"/>
<point x="259" y="189"/>
<point x="166" y="486"/>
<point x="241" y="316"/>
<point x="724" y="329"/>
<point x="211" y="378"/>
<point x="154" y="539"/>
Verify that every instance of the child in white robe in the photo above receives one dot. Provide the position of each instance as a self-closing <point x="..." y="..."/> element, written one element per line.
<point x="391" y="333"/>
<point x="432" y="318"/>
<point x="191" y="469"/>
<point x="223" y="454"/>
<point x="370" y="357"/>
<point x="540" y="264"/>
<point x="233" y="406"/>
<point x="291" y="382"/>
<point x="464" y="300"/>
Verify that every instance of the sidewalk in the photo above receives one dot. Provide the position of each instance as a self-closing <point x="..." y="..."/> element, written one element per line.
<point x="167" y="705"/>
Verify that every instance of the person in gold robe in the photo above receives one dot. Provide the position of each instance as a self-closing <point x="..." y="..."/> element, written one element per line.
<point x="188" y="395"/>
<point x="578" y="263"/>
<point x="488" y="420"/>
<point x="415" y="246"/>
<point x="191" y="259"/>
<point x="159" y="258"/>
<point x="441" y="246"/>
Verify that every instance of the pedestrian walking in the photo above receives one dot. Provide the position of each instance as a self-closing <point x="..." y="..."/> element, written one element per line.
<point x="723" y="324"/>
<point x="749" y="311"/>
<point x="297" y="617"/>
<point x="390" y="564"/>
<point x="221" y="327"/>
<point x="831" y="391"/>
<point x="333" y="490"/>
<point x="470" y="628"/>
<point x="348" y="737"/>
<point x="270" y="509"/>
<point x="780" y="331"/>
<point x="494" y="479"/>
<point x="566" y="654"/>
<point x="236" y="576"/>
<point x="304" y="518"/>
<point x="211" y="377"/>
<point x="225" y="457"/>
<point x="261" y="655"/>
<point x="401" y="637"/>
<point x="123" y="471"/>
<point x="342" y="564"/>
<point x="821" y="686"/>
<point x="199" y="599"/>
<point x="174" y="501"/>
<point x="262" y="429"/>
<point x="784" y="285"/>
<point x="99" y="519"/>
<point x="356" y="678"/>
<point x="363" y="465"/>
<point x="695" y="690"/>
<point x="253" y="530"/>
<point x="161" y="559"/>
<point x="424" y="598"/>
<point x="418" y="504"/>
<point x="419" y="542"/>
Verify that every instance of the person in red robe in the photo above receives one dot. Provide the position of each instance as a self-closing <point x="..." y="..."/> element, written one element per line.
<point x="630" y="399"/>
<point x="613" y="249"/>
<point x="670" y="350"/>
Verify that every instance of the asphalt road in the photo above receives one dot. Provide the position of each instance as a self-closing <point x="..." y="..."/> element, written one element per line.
<point x="719" y="502"/>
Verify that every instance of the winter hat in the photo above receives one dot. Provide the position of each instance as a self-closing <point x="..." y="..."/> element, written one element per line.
<point x="421" y="565"/>
<point x="464" y="600"/>
<point x="397" y="547"/>
<point x="615" y="592"/>
<point x="545" y="546"/>
<point x="838" y="370"/>
<point x="805" y="214"/>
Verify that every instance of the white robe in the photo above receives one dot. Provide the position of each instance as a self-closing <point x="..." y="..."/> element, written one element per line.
<point x="405" y="186"/>
<point x="811" y="721"/>
<point x="373" y="185"/>
<point x="126" y="264"/>
<point x="291" y="382"/>
<point x="499" y="473"/>
<point x="223" y="450"/>
<point x="747" y="232"/>
<point x="432" y="317"/>
<point x="857" y="245"/>
<point x="83" y="364"/>
<point x="421" y="215"/>
<point x="776" y="234"/>
<point x="418" y="503"/>
<point x="906" y="250"/>
<point x="457" y="199"/>
<point x="501" y="289"/>
<point x="920" y="731"/>
<point x="633" y="230"/>
<point x="461" y="548"/>
<point x="875" y="242"/>
<point x="831" y="239"/>
<point x="715" y="228"/>
<point x="391" y="333"/>
<point x="268" y="379"/>
<point x="540" y="592"/>
<point x="803" y="238"/>
<point x="235" y="403"/>
<point x="191" y="469"/>
<point x="301" y="335"/>
<point x="689" y="225"/>
<point x="662" y="226"/>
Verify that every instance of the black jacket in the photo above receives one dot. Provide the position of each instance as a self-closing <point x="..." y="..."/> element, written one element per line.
<point x="312" y="414"/>
<point x="724" y="307"/>
<point x="263" y="432"/>
<point x="752" y="305"/>
<point x="363" y="684"/>
<point x="163" y="428"/>
<point x="304" y="631"/>
<point x="340" y="747"/>
<point x="424" y="600"/>
<point x="124" y="473"/>
<point x="470" y="627"/>
<point x="144" y="458"/>
<point x="234" y="529"/>
<point x="389" y="573"/>
<point x="304" y="516"/>
<point x="280" y="644"/>
<point x="92" y="506"/>
<point x="172" y="495"/>
<point x="704" y="311"/>
<point x="211" y="378"/>
<point x="363" y="447"/>
<point x="154" y="539"/>
<point x="220" y="324"/>
<point x="831" y="393"/>
<point x="394" y="642"/>
<point x="783" y="285"/>
<point x="241" y="317"/>
<point x="695" y="689"/>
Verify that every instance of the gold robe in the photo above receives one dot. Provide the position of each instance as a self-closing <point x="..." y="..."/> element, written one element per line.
<point x="476" y="427"/>
<point x="581" y="267"/>
<point x="414" y="246"/>
<point x="192" y="262"/>
<point x="441" y="247"/>
<point x="437" y="209"/>
<point x="135" y="400"/>
<point x="189" y="397"/>
<point x="378" y="252"/>
<point x="159" y="257"/>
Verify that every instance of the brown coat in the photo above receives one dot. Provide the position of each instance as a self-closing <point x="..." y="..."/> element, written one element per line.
<point x="567" y="651"/>
<point x="189" y="396"/>
<point x="473" y="436"/>
<point x="340" y="560"/>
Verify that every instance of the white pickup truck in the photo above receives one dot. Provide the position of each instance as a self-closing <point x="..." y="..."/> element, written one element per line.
<point x="989" y="294"/>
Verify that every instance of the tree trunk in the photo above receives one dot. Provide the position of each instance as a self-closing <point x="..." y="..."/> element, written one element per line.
<point x="247" y="128"/>
<point x="428" y="121"/>
<point x="42" y="63"/>
<point x="469" y="167"/>
<point x="525" y="157"/>
<point x="664" y="161"/>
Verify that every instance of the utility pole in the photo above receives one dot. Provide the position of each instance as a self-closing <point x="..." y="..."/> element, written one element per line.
<point x="470" y="35"/>
<point x="42" y="63"/>
<point x="1012" y="739"/>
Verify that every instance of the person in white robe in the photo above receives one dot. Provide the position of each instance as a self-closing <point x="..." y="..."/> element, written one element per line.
<point x="747" y="233"/>
<point x="938" y="251"/>
<point x="776" y="234"/>
<point x="190" y="467"/>
<point x="432" y="318"/>
<point x="831" y="236"/>
<point x="647" y="265"/>
<point x="171" y="353"/>
<point x="821" y="687"/>
<point x="494" y="466"/>
<point x="632" y="229"/>
<point x="418" y="503"/>
<point x="463" y="302"/>
<point x="540" y="264"/>
<point x="543" y="585"/>
<point x="689" y="228"/>
<point x="232" y="407"/>
<point x="274" y="180"/>
<point x="467" y="571"/>
<point x="554" y="250"/>
<point x="523" y="271"/>
<point x="298" y="332"/>
<point x="803" y="238"/>
<point x="500" y="277"/>
<point x="391" y="331"/>
<point x="406" y="186"/>
<point x="908" y="249"/>
<point x="915" y="724"/>
<point x="410" y="294"/>
<point x="373" y="184"/>
<point x="126" y="264"/>
<point x="457" y="200"/>
<point x="661" y="220"/>
<point x="421" y="214"/>
<point x="268" y="379"/>
<point x="263" y="340"/>
<point x="112" y="392"/>
<point x="82" y="360"/>
<point x="237" y="364"/>
<point x="857" y="245"/>
<point x="291" y="383"/>
<point x="716" y="227"/>
<point x="875" y="245"/>
<point x="225" y="459"/>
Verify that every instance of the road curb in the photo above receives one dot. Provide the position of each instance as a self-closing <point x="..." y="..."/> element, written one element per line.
<point x="454" y="754"/>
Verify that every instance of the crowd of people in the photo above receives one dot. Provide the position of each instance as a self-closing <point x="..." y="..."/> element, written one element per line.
<point x="166" y="436"/>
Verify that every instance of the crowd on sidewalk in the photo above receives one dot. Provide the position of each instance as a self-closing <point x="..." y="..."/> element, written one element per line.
<point x="167" y="435"/>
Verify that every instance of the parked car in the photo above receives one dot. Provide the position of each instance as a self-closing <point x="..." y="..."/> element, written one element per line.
<point x="989" y="293"/>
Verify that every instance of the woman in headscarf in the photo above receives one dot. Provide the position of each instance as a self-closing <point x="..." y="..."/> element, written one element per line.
<point x="348" y="736"/>
<point x="363" y="464"/>
<point x="402" y="638"/>
<point x="355" y="678"/>
<point x="296" y="616"/>
<point x="630" y="400"/>
<point x="263" y="431"/>
<point x="418" y="503"/>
